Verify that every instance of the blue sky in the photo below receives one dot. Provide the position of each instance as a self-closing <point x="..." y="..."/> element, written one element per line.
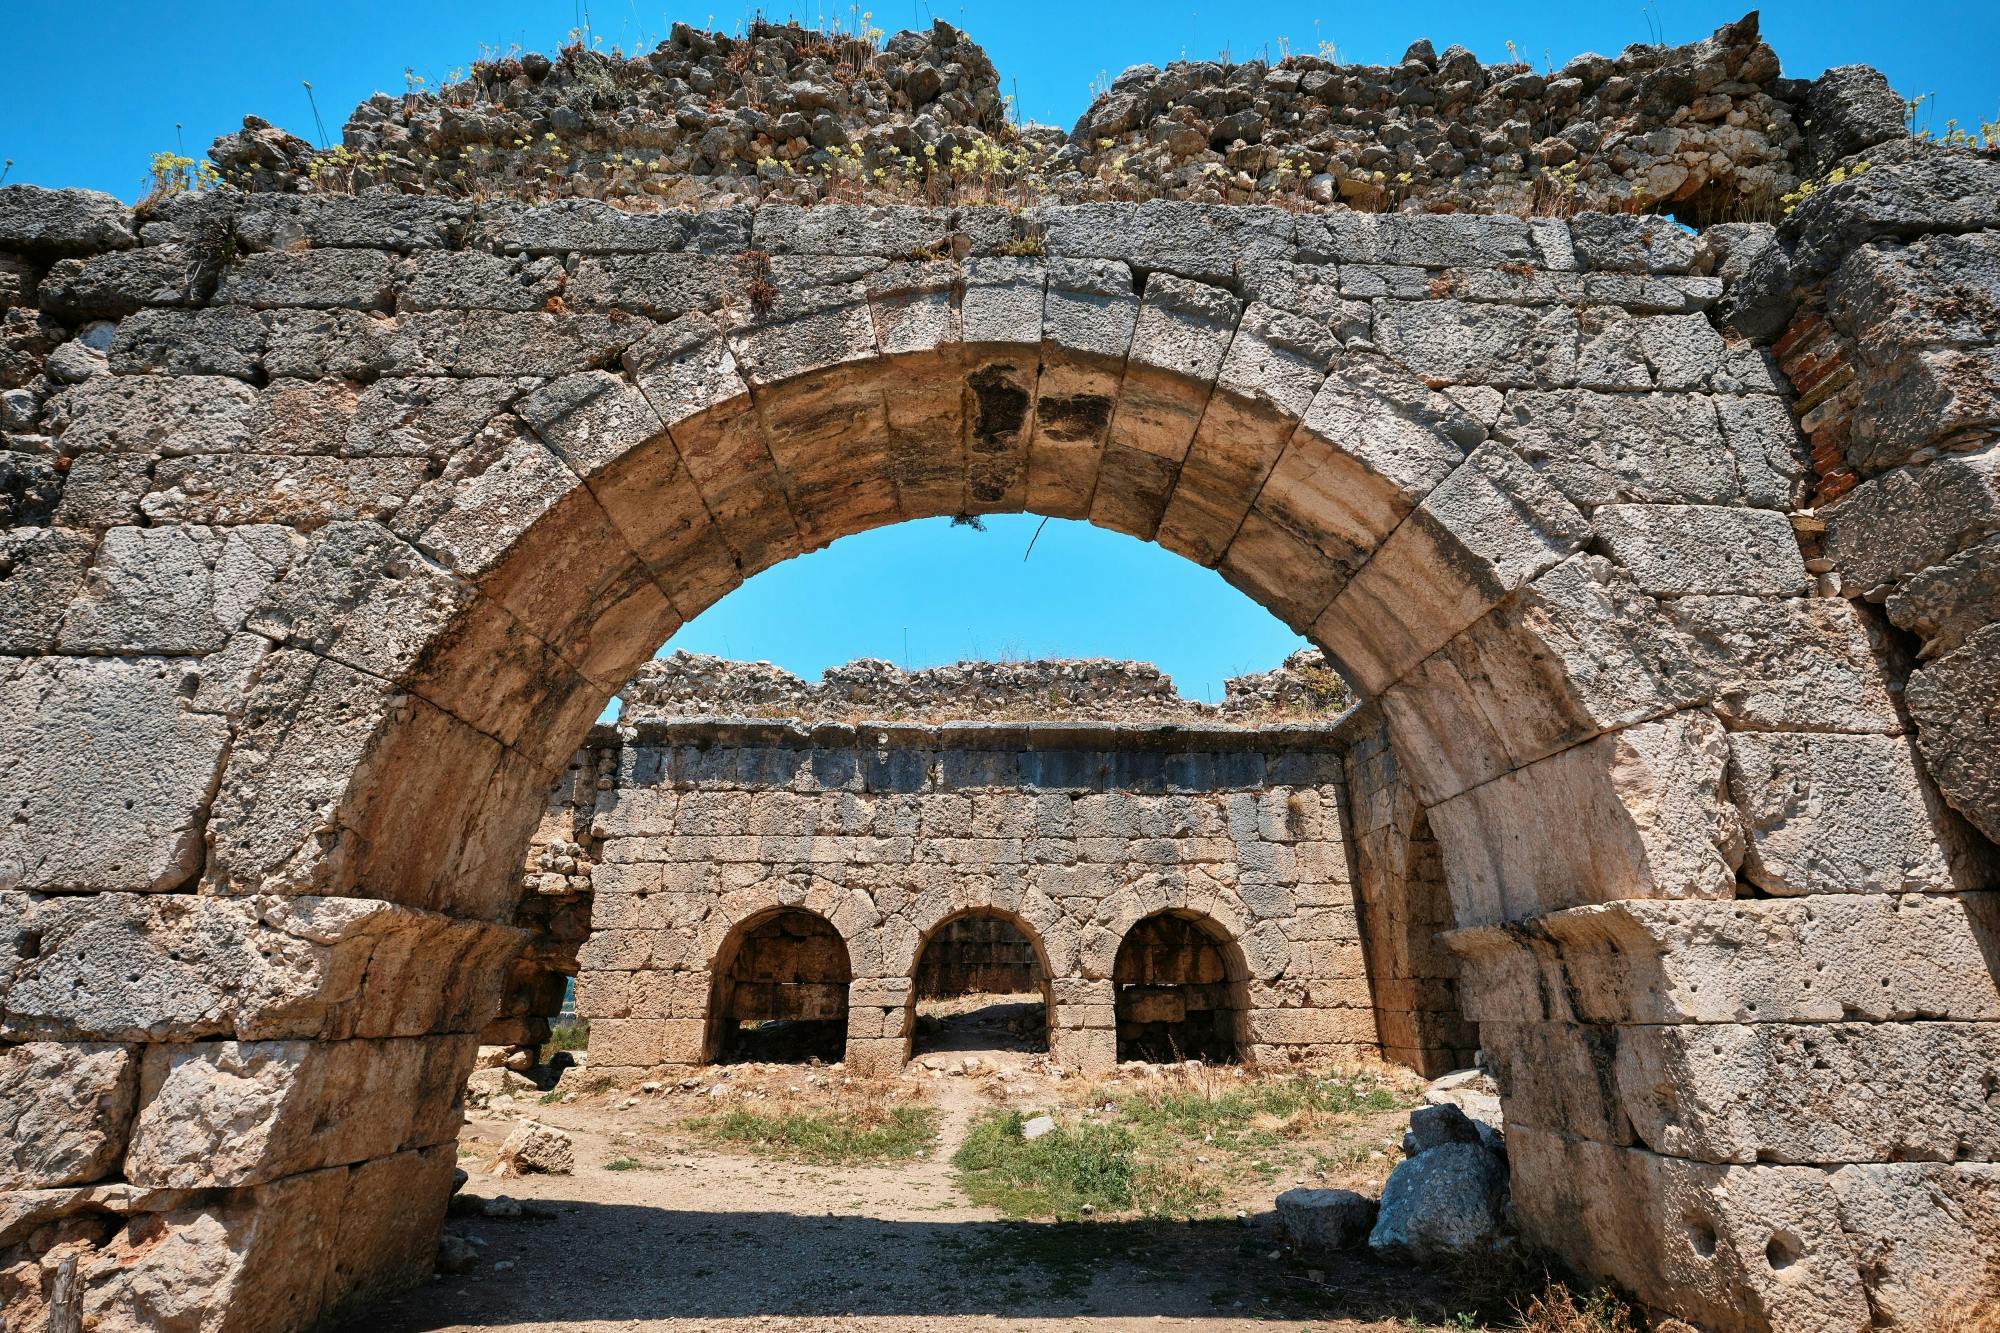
<point x="95" y="89"/>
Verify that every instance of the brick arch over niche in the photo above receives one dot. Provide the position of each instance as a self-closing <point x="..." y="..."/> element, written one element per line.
<point x="277" y="748"/>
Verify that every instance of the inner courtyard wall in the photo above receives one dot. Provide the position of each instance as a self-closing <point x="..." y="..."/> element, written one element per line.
<point x="1073" y="831"/>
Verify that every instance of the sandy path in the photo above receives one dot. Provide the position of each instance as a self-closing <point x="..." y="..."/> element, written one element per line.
<point x="712" y="1240"/>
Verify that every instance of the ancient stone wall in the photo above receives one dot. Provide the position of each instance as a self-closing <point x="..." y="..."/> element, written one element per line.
<point x="333" y="522"/>
<point x="890" y="832"/>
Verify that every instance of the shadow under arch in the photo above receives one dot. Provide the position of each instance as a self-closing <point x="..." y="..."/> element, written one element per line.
<point x="1180" y="990"/>
<point x="1042" y="978"/>
<point x="786" y="965"/>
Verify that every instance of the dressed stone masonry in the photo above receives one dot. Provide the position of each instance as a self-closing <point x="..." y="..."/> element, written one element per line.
<point x="688" y="831"/>
<point x="333" y="521"/>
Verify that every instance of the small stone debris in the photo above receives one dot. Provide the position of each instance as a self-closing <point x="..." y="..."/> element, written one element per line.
<point x="533" y="1148"/>
<point x="456" y="1255"/>
<point x="1318" y="1221"/>
<point x="1040" y="1125"/>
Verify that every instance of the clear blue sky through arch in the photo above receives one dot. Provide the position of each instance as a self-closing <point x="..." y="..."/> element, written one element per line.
<point x="93" y="90"/>
<point x="925" y="593"/>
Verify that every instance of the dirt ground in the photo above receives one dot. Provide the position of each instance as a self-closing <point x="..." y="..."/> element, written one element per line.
<point x="689" y="1234"/>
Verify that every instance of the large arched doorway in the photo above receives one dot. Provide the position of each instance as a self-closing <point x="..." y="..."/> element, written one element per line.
<point x="1581" y="610"/>
<point x="1179" y="989"/>
<point x="780" y="991"/>
<point x="982" y="982"/>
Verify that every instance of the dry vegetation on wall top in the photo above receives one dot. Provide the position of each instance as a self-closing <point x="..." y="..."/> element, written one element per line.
<point x="1707" y="131"/>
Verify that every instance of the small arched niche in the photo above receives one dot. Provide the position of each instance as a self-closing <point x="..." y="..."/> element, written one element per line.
<point x="981" y="982"/>
<point x="1180" y="991"/>
<point x="780" y="991"/>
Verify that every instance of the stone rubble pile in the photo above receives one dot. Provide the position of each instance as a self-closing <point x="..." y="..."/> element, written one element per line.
<point x="684" y="684"/>
<point x="1447" y="1198"/>
<point x="1709" y="131"/>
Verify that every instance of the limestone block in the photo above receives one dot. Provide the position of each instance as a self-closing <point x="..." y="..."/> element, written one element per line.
<point x="582" y="226"/>
<point x="159" y="340"/>
<point x="1462" y="342"/>
<point x="389" y="1223"/>
<point x="350" y="279"/>
<point x="362" y="597"/>
<point x="62" y="222"/>
<point x="174" y="589"/>
<point x="1652" y="448"/>
<point x="1480" y="534"/>
<point x="120" y="283"/>
<point x="1631" y="243"/>
<point x="689" y="374"/>
<point x="1734" y="1248"/>
<point x="1646" y="816"/>
<point x="1674" y="550"/>
<point x="661" y="286"/>
<point x="1442" y="1203"/>
<point x="1089" y="314"/>
<point x="433" y="416"/>
<point x="1920" y="1230"/>
<point x="1945" y="604"/>
<point x="1846" y="814"/>
<point x="1578" y="651"/>
<point x="166" y="415"/>
<point x="41" y="569"/>
<point x="108" y="771"/>
<point x="1178" y="343"/>
<point x="1557" y="1077"/>
<point x="1949" y="398"/>
<point x="65" y="1109"/>
<point x="234" y="1113"/>
<point x="1820" y="959"/>
<point x="499" y="342"/>
<point x="1953" y="701"/>
<point x="1891" y="526"/>
<point x="1818" y="1093"/>
<point x="260" y="1259"/>
<point x="848" y="229"/>
<point x="195" y="967"/>
<point x="476" y="280"/>
<point x="279" y="488"/>
<point x="1619" y="351"/>
<point x="1205" y="242"/>
<point x="512" y="518"/>
<point x="1797" y="664"/>
<point x="1268" y="379"/>
<point x="1935" y="291"/>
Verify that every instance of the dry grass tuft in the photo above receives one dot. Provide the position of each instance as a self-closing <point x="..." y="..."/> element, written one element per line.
<point x="1557" y="1309"/>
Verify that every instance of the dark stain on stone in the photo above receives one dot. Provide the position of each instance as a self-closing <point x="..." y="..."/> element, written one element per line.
<point x="1002" y="408"/>
<point x="1083" y="417"/>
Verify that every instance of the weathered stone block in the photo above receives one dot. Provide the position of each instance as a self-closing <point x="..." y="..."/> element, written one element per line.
<point x="65" y="1109"/>
<point x="234" y="1113"/>
<point x="1847" y="814"/>
<point x="1647" y="818"/>
<point x="62" y="222"/>
<point x="1673" y="550"/>
<point x="109" y="773"/>
<point x="1955" y="702"/>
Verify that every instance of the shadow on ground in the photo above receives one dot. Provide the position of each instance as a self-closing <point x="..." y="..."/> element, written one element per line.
<point x="607" y="1262"/>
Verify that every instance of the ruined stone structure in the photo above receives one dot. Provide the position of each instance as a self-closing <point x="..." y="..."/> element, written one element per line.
<point x="333" y="521"/>
<point x="692" y="834"/>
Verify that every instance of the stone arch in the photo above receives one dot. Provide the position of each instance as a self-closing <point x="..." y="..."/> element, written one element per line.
<point x="1045" y="974"/>
<point x="788" y="963"/>
<point x="1180" y="990"/>
<point x="1569" y="583"/>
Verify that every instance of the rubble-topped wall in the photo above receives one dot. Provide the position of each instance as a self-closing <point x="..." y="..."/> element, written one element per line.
<point x="684" y="684"/>
<point x="1710" y="130"/>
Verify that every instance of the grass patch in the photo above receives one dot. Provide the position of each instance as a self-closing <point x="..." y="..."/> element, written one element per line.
<point x="1259" y="1113"/>
<point x="835" y="1138"/>
<point x="568" y="1037"/>
<point x="1057" y="1175"/>
<point x="1171" y="1150"/>
<point x="627" y="1164"/>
